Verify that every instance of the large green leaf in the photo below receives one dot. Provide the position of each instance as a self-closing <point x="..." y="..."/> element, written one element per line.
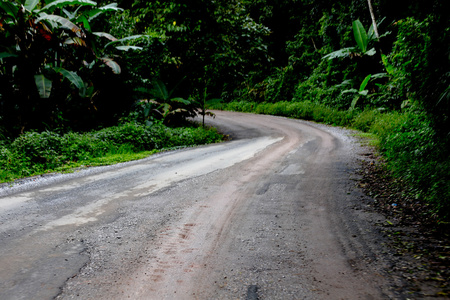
<point x="379" y="75"/>
<point x="86" y="24"/>
<point x="354" y="102"/>
<point x="92" y="14"/>
<point x="71" y="76"/>
<point x="129" y="38"/>
<point x="344" y="83"/>
<point x="344" y="52"/>
<point x="371" y="52"/>
<point x="363" y="85"/>
<point x="360" y="35"/>
<point x="70" y="15"/>
<point x="31" y="4"/>
<point x="112" y="64"/>
<point x="363" y="93"/>
<point x="75" y="40"/>
<point x="352" y="91"/>
<point x="7" y="54"/>
<point x="106" y="35"/>
<point x="10" y="8"/>
<point x="160" y="91"/>
<point x="126" y="48"/>
<point x="65" y="23"/>
<point x="110" y="7"/>
<point x="181" y="100"/>
<point x="43" y="85"/>
<point x="61" y="3"/>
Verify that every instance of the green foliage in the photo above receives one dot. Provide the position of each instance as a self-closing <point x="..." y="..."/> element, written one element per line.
<point x="188" y="38"/>
<point x="36" y="153"/>
<point x="44" y="85"/>
<point x="279" y="86"/>
<point x="409" y="55"/>
<point x="416" y="154"/>
<point x="421" y="62"/>
<point x="202" y="102"/>
<point x="163" y="106"/>
<point x="364" y="120"/>
<point x="49" y="51"/>
<point x="358" y="94"/>
<point x="378" y="122"/>
<point x="384" y="123"/>
<point x="362" y="39"/>
<point x="300" y="110"/>
<point x="57" y="72"/>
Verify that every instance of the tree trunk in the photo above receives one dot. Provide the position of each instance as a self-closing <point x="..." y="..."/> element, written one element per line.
<point x="375" y="28"/>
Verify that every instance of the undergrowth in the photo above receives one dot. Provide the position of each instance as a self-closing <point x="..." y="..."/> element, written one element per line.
<point x="36" y="153"/>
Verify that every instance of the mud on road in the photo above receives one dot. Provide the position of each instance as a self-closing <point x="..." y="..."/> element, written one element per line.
<point x="275" y="213"/>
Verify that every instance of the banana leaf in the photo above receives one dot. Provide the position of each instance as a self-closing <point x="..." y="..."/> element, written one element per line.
<point x="61" y="3"/>
<point x="31" y="4"/>
<point x="10" y="9"/>
<point x="360" y="35"/>
<point x="112" y="64"/>
<point x="363" y="85"/>
<point x="65" y="23"/>
<point x="344" y="52"/>
<point x="43" y="85"/>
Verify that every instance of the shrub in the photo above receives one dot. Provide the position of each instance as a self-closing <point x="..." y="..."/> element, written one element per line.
<point x="35" y="153"/>
<point x="364" y="120"/>
<point x="385" y="123"/>
<point x="416" y="154"/>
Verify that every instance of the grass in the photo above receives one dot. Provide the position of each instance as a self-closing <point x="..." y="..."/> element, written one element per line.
<point x="370" y="139"/>
<point x="108" y="159"/>
<point x="36" y="153"/>
<point x="69" y="167"/>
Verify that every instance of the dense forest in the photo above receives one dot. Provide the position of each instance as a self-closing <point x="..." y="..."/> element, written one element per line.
<point x="74" y="66"/>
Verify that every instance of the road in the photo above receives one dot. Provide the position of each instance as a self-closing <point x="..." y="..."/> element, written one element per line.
<point x="274" y="213"/>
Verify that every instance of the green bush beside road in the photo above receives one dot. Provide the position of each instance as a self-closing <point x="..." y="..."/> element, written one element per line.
<point x="36" y="153"/>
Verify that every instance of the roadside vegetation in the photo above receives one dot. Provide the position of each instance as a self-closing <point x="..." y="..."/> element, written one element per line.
<point x="81" y="79"/>
<point x="405" y="140"/>
<point x="36" y="153"/>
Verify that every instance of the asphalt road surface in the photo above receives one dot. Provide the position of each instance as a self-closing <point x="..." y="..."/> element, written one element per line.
<point x="274" y="213"/>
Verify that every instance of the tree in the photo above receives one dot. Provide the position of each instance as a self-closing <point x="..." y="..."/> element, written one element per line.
<point x="194" y="35"/>
<point x="374" y="22"/>
<point x="48" y="60"/>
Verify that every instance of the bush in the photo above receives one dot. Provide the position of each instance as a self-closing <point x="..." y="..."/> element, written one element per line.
<point x="385" y="123"/>
<point x="38" y="150"/>
<point x="416" y="154"/>
<point x="305" y="110"/>
<point x="36" y="153"/>
<point x="422" y="47"/>
<point x="364" y="120"/>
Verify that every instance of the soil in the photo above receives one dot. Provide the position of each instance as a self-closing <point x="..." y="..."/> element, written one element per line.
<point x="419" y="247"/>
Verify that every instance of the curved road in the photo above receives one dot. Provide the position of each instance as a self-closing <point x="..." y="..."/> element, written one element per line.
<point x="272" y="214"/>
